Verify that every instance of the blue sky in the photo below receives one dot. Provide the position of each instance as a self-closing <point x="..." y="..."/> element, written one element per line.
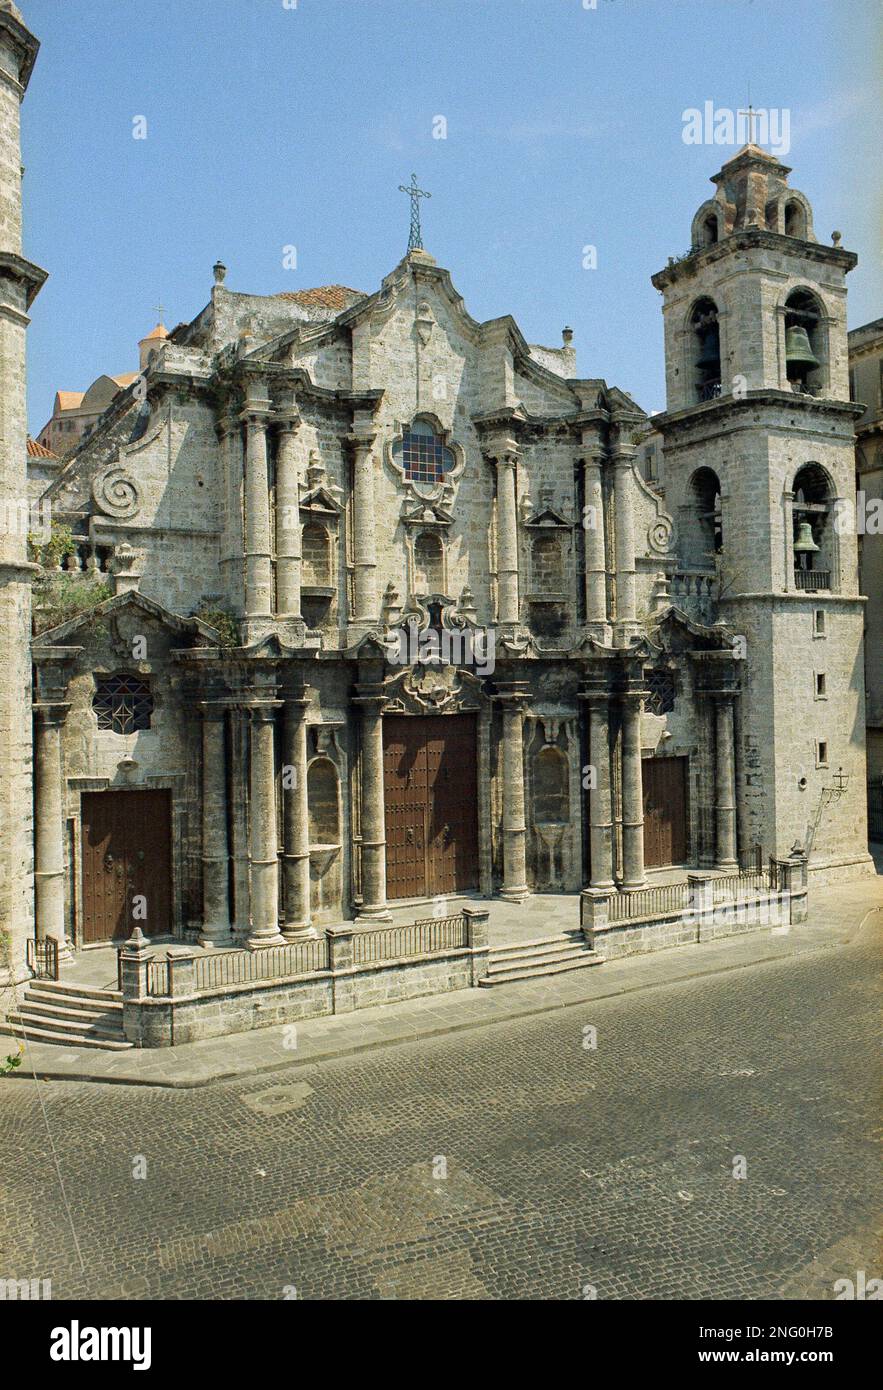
<point x="272" y="124"/>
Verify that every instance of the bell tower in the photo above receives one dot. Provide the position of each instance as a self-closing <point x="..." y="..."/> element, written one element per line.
<point x="760" y="475"/>
<point x="19" y="283"/>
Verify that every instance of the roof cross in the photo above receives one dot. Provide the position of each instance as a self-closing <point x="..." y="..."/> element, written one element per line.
<point x="415" y="240"/>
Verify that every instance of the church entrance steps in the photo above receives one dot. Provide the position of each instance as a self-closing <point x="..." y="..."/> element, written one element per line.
<point x="61" y="1013"/>
<point x="547" y="955"/>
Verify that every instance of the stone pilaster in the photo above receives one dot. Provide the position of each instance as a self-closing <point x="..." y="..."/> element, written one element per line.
<point x="632" y="793"/>
<point x="239" y="738"/>
<point x="373" y="814"/>
<point x="215" y="844"/>
<point x="19" y="283"/>
<point x="724" y="784"/>
<point x="515" y="888"/>
<point x="258" y="564"/>
<point x="264" y="841"/>
<point x="624" y="521"/>
<point x="288" y="527"/>
<point x="49" y="827"/>
<point x="229" y="432"/>
<point x="507" y="537"/>
<point x="601" y="795"/>
<point x="597" y="625"/>
<point x="296" y="820"/>
<point x="366" y="608"/>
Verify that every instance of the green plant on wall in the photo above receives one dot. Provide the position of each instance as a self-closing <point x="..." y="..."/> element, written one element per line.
<point x="58" y="597"/>
<point x="55" y="551"/>
<point x="224" y="623"/>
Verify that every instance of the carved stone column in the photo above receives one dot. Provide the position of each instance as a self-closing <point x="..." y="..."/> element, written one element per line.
<point x="365" y="603"/>
<point x="49" y="826"/>
<point x="239" y="737"/>
<point x="229" y="432"/>
<point x="296" y="820"/>
<point x="632" y="793"/>
<point x="595" y="548"/>
<point x="624" y="520"/>
<point x="258" y="565"/>
<point x="264" y="841"/>
<point x="724" y="784"/>
<point x="373" y="812"/>
<point x="215" y="842"/>
<point x="288" y="527"/>
<point x="601" y="795"/>
<point x="507" y="537"/>
<point x="515" y="888"/>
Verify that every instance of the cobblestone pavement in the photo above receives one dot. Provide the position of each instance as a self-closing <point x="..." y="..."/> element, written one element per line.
<point x="568" y="1168"/>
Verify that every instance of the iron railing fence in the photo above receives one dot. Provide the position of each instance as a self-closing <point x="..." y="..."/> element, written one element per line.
<point x="812" y="581"/>
<point x="662" y="900"/>
<point x="416" y="939"/>
<point x="42" y="957"/>
<point x="218" y="968"/>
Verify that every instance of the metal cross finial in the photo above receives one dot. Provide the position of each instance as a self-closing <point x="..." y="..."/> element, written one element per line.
<point x="415" y="240"/>
<point x="159" y="309"/>
<point x="752" y="117"/>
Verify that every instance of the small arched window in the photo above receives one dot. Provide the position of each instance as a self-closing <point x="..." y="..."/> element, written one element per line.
<point x="547" y="568"/>
<point x="706" y="349"/>
<point x="316" y="550"/>
<point x="429" y="568"/>
<point x="709" y="230"/>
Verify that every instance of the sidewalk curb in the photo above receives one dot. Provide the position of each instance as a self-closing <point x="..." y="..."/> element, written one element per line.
<point x="372" y="1045"/>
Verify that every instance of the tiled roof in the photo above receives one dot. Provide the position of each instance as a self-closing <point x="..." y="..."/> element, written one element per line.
<point x="39" y="451"/>
<point x="69" y="400"/>
<point x="158" y="332"/>
<point x="127" y="378"/>
<point x="334" y="297"/>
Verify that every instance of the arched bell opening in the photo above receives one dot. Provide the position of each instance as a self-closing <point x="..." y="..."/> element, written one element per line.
<point x="795" y="220"/>
<point x="706" y="349"/>
<point x="705" y="496"/>
<point x="805" y="353"/>
<point x="813" y="533"/>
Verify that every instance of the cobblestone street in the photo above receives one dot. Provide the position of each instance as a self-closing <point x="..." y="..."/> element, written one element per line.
<point x="568" y="1168"/>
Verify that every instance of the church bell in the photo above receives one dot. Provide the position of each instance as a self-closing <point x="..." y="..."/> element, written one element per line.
<point x="799" y="356"/>
<point x="804" y="543"/>
<point x="710" y="353"/>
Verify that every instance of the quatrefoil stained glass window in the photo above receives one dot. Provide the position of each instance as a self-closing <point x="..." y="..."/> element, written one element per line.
<point x="122" y="704"/>
<point x="422" y="455"/>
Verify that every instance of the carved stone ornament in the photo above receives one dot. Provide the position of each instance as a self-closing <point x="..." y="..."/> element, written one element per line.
<point x="116" y="492"/>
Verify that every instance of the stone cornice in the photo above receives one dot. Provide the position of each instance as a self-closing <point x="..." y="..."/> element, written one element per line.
<point x="748" y="239"/>
<point x="15" y="267"/>
<point x="725" y="406"/>
<point x="23" y="43"/>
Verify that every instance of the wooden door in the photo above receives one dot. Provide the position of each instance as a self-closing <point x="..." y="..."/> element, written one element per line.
<point x="665" y="811"/>
<point x="126" y="840"/>
<point x="430" y="786"/>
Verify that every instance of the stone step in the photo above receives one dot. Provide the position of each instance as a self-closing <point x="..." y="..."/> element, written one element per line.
<point x="71" y="1039"/>
<point x="530" y="960"/>
<point x="92" y="1014"/>
<point x="539" y="943"/>
<point x="87" y="993"/>
<point x="38" y="1018"/>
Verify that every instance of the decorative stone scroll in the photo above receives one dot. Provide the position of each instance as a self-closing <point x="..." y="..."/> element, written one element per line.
<point x="116" y="492"/>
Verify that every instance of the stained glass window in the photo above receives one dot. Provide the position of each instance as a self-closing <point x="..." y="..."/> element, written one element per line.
<point x="422" y="455"/>
<point x="123" y="704"/>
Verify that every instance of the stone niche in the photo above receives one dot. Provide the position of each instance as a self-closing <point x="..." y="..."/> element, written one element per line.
<point x="325" y="826"/>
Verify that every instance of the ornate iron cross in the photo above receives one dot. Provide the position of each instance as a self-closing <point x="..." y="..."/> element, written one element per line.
<point x="415" y="240"/>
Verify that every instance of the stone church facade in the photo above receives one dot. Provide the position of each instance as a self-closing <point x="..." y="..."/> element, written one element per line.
<point x="392" y="616"/>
